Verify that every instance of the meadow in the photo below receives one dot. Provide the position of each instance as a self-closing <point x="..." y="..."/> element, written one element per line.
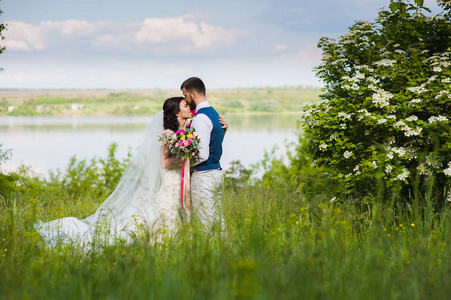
<point x="142" y="102"/>
<point x="280" y="242"/>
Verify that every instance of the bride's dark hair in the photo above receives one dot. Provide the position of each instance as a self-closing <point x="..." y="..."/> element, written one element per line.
<point x="171" y="107"/>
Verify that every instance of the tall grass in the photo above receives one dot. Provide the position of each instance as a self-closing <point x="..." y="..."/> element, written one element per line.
<point x="277" y="244"/>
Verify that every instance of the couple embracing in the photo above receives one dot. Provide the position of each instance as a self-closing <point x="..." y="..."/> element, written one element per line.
<point x="147" y="197"/>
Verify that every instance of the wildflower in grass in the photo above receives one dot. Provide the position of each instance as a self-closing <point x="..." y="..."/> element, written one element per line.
<point x="388" y="234"/>
<point x="412" y="224"/>
<point x="333" y="199"/>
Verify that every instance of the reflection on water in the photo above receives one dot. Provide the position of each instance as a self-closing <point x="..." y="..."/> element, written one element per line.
<point x="46" y="143"/>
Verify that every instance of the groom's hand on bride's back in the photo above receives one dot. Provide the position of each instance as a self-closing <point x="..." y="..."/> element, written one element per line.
<point x="223" y="123"/>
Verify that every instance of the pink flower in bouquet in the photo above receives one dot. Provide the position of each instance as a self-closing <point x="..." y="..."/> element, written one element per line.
<point x="182" y="131"/>
<point x="188" y="125"/>
<point x="181" y="143"/>
<point x="186" y="143"/>
<point x="193" y="112"/>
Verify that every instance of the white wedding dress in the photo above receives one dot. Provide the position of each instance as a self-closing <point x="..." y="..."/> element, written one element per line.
<point x="146" y="200"/>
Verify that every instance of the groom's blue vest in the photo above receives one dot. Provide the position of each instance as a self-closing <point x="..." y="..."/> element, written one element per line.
<point x="216" y="138"/>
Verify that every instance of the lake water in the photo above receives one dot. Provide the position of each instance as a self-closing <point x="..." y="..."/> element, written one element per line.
<point x="46" y="143"/>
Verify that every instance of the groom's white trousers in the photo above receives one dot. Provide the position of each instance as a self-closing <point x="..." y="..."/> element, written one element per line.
<point x="206" y="190"/>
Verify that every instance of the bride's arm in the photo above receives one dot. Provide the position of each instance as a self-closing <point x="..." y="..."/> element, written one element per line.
<point x="169" y="160"/>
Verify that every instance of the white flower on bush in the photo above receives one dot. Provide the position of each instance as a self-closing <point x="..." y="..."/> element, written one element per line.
<point x="381" y="98"/>
<point x="442" y="93"/>
<point x="347" y="154"/>
<point x="356" y="168"/>
<point x="399" y="124"/>
<point x="381" y="121"/>
<point x="400" y="151"/>
<point x="422" y="169"/>
<point x="417" y="90"/>
<point x="413" y="102"/>
<point x="332" y="137"/>
<point x="374" y="164"/>
<point x="447" y="171"/>
<point x="359" y="76"/>
<point x="437" y="69"/>
<point x="385" y="62"/>
<point x="343" y="126"/>
<point x="391" y="117"/>
<point x="434" y="161"/>
<point x="410" y="132"/>
<point x="388" y="169"/>
<point x="446" y="80"/>
<point x="344" y="115"/>
<point x="390" y="155"/>
<point x="437" y="119"/>
<point x="412" y="118"/>
<point x="404" y="175"/>
<point x="322" y="146"/>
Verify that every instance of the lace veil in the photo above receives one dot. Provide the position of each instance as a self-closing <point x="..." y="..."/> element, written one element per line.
<point x="131" y="205"/>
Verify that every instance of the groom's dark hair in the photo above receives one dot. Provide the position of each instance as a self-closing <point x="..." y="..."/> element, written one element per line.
<point x="194" y="84"/>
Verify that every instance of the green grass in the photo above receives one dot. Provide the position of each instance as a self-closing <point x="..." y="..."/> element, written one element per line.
<point x="230" y="101"/>
<point x="278" y="245"/>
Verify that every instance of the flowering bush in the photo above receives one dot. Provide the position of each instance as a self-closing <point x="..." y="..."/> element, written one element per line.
<point x="385" y="110"/>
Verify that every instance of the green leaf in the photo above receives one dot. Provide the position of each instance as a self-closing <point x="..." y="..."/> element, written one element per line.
<point x="419" y="2"/>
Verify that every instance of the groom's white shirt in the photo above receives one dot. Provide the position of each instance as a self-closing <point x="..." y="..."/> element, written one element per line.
<point x="203" y="126"/>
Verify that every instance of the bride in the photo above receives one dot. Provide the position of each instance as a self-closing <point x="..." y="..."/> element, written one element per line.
<point x="147" y="197"/>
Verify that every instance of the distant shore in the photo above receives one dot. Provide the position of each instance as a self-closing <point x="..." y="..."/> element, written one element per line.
<point x="98" y="102"/>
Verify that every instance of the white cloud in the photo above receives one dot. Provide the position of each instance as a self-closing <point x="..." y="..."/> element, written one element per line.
<point x="309" y="55"/>
<point x="23" y="37"/>
<point x="169" y="36"/>
<point x="279" y="48"/>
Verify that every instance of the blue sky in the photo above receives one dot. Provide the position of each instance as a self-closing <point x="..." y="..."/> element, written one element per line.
<point x="140" y="44"/>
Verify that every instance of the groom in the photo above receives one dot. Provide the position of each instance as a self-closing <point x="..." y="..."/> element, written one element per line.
<point x="206" y="181"/>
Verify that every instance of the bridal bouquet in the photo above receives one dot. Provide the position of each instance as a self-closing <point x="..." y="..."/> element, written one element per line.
<point x="184" y="143"/>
